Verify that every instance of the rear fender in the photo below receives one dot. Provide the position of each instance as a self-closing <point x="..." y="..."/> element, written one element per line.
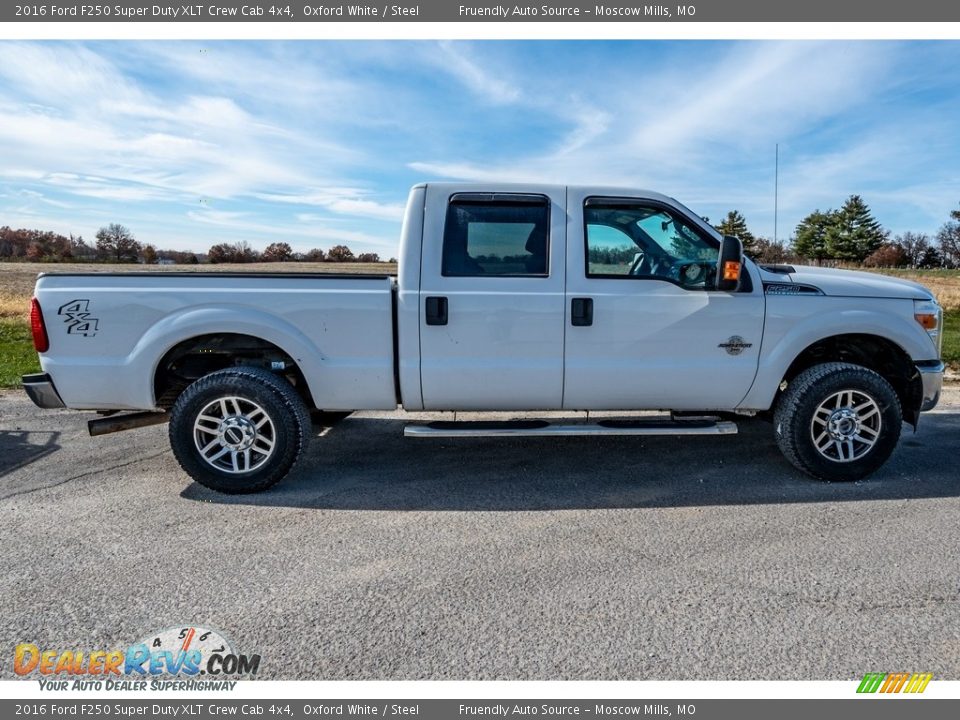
<point x="193" y="322"/>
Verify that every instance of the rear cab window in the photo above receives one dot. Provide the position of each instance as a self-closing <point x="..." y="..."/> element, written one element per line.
<point x="499" y="234"/>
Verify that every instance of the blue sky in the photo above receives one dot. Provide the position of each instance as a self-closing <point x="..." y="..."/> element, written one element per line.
<point x="317" y="143"/>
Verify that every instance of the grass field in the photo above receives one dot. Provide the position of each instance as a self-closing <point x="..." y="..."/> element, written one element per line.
<point x="17" y="279"/>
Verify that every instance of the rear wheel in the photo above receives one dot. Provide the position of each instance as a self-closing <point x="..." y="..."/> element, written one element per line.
<point x="838" y="421"/>
<point x="239" y="430"/>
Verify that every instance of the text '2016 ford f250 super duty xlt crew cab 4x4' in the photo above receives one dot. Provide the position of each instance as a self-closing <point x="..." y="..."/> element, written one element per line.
<point x="508" y="298"/>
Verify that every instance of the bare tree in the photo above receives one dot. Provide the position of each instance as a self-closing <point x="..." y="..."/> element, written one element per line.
<point x="278" y="252"/>
<point x="915" y="247"/>
<point x="340" y="253"/>
<point x="949" y="242"/>
<point x="117" y="243"/>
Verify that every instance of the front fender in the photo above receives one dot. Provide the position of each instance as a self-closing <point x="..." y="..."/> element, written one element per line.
<point x="793" y="324"/>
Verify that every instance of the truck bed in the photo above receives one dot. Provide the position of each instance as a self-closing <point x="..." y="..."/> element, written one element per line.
<point x="109" y="331"/>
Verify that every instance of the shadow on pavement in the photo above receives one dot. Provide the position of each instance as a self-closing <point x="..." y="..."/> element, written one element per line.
<point x="19" y="448"/>
<point x="367" y="464"/>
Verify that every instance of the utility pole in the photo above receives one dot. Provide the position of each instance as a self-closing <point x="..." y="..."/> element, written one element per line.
<point x="776" y="188"/>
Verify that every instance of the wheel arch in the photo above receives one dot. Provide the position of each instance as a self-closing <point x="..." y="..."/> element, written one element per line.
<point x="199" y="355"/>
<point x="875" y="352"/>
<point x="268" y="332"/>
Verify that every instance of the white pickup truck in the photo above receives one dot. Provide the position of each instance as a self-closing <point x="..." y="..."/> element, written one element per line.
<point x="508" y="298"/>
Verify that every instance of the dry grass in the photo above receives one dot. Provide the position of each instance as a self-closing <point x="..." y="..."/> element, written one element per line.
<point x="17" y="279"/>
<point x="14" y="305"/>
<point x="945" y="284"/>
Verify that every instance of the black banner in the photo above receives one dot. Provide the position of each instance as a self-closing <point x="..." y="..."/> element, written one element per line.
<point x="447" y="11"/>
<point x="874" y="708"/>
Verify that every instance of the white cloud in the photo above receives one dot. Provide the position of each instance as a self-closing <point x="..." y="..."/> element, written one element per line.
<point x="488" y="83"/>
<point x="302" y="234"/>
<point x="704" y="130"/>
<point x="325" y="138"/>
<point x="344" y="201"/>
<point x="62" y="77"/>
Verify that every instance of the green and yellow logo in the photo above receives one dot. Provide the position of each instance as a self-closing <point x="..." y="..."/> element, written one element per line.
<point x="894" y="682"/>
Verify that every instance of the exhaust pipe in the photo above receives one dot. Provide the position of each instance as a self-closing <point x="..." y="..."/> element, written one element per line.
<point x="107" y="425"/>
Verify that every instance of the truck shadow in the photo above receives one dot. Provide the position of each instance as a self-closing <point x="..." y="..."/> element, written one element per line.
<point x="22" y="447"/>
<point x="367" y="464"/>
<point x="19" y="448"/>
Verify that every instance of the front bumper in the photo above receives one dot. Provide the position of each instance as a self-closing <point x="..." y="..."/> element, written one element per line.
<point x="931" y="375"/>
<point x="39" y="387"/>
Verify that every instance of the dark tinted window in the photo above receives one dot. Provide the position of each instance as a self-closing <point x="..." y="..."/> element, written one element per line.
<point x="496" y="236"/>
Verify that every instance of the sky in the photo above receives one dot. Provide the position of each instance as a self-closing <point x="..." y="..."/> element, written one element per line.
<point x="317" y="143"/>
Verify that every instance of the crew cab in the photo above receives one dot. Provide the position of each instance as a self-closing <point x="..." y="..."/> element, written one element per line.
<point x="507" y="298"/>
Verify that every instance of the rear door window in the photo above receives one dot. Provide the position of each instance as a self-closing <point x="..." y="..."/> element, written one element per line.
<point x="496" y="235"/>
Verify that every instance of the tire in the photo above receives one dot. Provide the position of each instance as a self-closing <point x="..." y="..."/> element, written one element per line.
<point x="239" y="430"/>
<point x="838" y="421"/>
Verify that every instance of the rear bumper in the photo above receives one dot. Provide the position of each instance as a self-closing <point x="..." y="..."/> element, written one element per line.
<point x="39" y="387"/>
<point x="931" y="375"/>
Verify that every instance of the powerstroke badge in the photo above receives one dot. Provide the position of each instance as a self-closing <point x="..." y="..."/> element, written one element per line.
<point x="735" y="345"/>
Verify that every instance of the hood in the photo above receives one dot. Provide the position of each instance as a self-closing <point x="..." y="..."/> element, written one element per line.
<point x="849" y="283"/>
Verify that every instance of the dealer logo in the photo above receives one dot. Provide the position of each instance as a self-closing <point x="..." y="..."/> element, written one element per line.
<point x="894" y="682"/>
<point x="189" y="650"/>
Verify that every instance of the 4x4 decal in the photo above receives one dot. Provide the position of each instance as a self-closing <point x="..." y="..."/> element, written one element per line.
<point x="77" y="317"/>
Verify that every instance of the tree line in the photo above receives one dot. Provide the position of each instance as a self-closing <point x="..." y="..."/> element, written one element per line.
<point x="851" y="235"/>
<point x="241" y="252"/>
<point x="115" y="243"/>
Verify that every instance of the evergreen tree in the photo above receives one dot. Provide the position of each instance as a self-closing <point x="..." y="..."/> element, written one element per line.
<point x="857" y="234"/>
<point x="736" y="224"/>
<point x="812" y="234"/>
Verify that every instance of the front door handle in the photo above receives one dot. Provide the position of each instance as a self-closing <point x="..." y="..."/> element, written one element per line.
<point x="581" y="312"/>
<point x="436" y="311"/>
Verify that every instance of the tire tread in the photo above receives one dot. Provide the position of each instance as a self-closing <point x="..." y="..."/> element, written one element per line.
<point x="297" y="425"/>
<point x="786" y="412"/>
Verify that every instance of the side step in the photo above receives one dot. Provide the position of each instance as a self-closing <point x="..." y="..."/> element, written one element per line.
<point x="542" y="428"/>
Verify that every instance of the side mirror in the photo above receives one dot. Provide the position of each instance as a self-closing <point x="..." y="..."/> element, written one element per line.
<point x="729" y="264"/>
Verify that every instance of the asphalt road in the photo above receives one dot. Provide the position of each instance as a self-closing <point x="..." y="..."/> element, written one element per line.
<point x="390" y="558"/>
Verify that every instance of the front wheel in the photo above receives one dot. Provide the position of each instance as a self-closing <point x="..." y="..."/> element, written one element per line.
<point x="239" y="430"/>
<point x="838" y="421"/>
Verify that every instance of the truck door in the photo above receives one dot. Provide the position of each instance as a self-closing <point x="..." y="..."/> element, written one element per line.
<point x="492" y="299"/>
<point x="646" y="330"/>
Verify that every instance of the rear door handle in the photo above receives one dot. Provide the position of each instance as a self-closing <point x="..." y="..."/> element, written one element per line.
<point x="436" y="311"/>
<point x="581" y="312"/>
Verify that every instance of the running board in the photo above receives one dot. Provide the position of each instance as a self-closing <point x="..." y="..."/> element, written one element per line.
<point x="542" y="428"/>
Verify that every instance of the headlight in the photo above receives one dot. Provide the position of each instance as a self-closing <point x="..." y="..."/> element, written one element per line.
<point x="930" y="316"/>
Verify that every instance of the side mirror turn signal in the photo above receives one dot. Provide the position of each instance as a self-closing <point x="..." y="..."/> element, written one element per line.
<point x="729" y="264"/>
